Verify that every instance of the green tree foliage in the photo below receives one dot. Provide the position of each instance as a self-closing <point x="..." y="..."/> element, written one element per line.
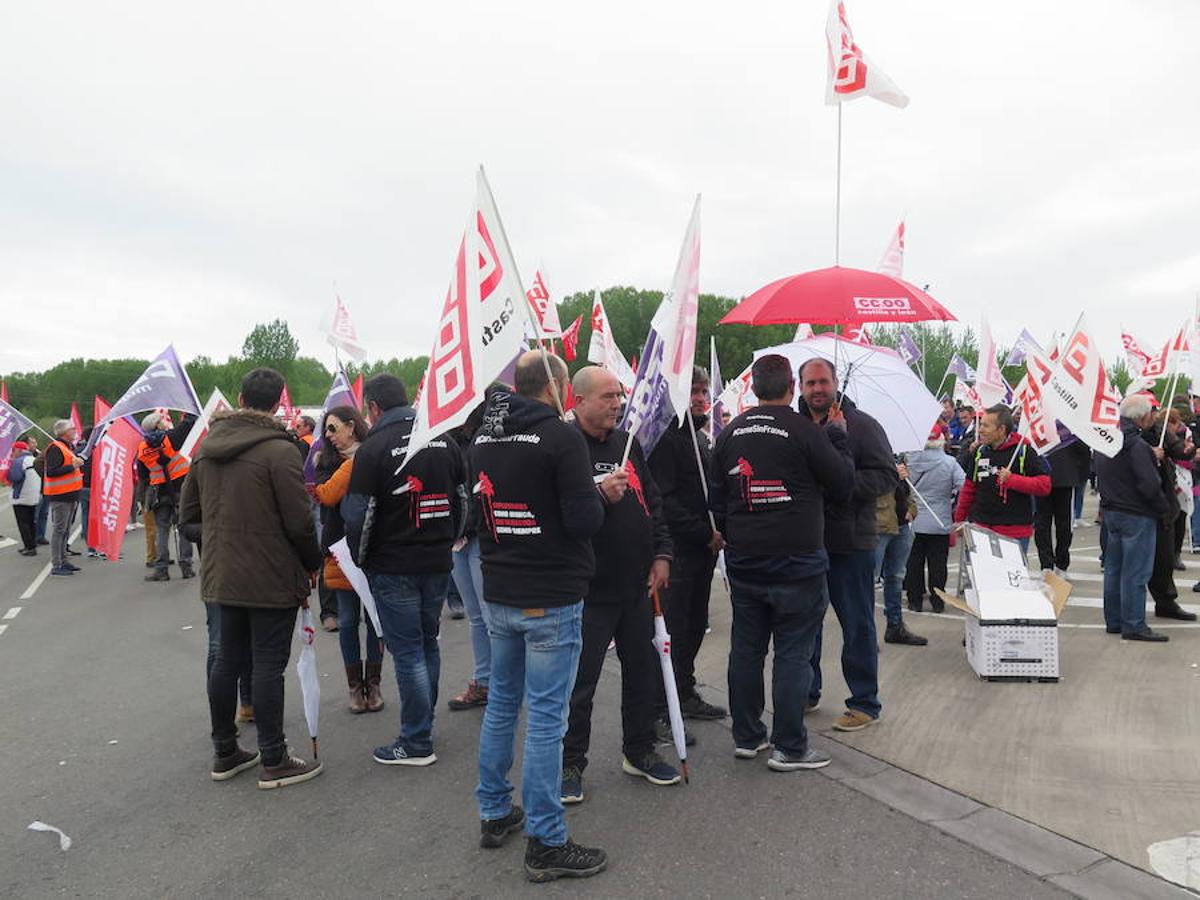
<point x="271" y="344"/>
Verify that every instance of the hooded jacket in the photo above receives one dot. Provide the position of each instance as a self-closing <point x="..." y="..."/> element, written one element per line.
<point x="539" y="508"/>
<point x="673" y="465"/>
<point x="1007" y="509"/>
<point x="850" y="524"/>
<point x="937" y="479"/>
<point x="403" y="521"/>
<point x="246" y="493"/>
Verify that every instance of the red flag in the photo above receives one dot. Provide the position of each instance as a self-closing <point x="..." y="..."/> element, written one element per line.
<point x="112" y="488"/>
<point x="569" y="403"/>
<point x="4" y="391"/>
<point x="357" y="390"/>
<point x="286" y="410"/>
<point x="76" y="420"/>
<point x="100" y="408"/>
<point x="633" y="363"/>
<point x="570" y="339"/>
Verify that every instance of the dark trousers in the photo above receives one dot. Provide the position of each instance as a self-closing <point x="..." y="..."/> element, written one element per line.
<point x="852" y="595"/>
<point x="328" y="599"/>
<point x="212" y="621"/>
<point x="1054" y="511"/>
<point x="631" y="623"/>
<point x="929" y="551"/>
<point x="685" y="611"/>
<point x="1162" y="579"/>
<point x="265" y="637"/>
<point x="790" y="614"/>
<point x="26" y="525"/>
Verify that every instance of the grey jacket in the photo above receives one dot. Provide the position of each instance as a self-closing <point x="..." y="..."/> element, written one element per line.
<point x="938" y="479"/>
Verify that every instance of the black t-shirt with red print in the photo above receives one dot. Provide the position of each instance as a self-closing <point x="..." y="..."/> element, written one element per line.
<point x="635" y="532"/>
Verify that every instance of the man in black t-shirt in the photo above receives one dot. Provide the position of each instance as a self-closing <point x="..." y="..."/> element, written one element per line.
<point x="772" y="471"/>
<point x="633" y="556"/>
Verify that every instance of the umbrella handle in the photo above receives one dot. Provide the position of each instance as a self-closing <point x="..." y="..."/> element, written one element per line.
<point x="657" y="602"/>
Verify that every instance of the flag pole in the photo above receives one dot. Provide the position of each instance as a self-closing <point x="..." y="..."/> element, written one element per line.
<point x="937" y="395"/>
<point x="700" y="469"/>
<point x="837" y="211"/>
<point x="1168" y="396"/>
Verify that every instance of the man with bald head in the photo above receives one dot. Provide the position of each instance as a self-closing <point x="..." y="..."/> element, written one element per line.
<point x="633" y="557"/>
<point x="539" y="508"/>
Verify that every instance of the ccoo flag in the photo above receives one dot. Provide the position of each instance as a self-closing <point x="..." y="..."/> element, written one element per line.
<point x="481" y="326"/>
<point x="112" y="488"/>
<point x="342" y="334"/>
<point x="664" y="379"/>
<point x="543" y="307"/>
<point x="893" y="257"/>
<point x="852" y="73"/>
<point x="603" y="349"/>
<point x="12" y="426"/>
<point x="164" y="385"/>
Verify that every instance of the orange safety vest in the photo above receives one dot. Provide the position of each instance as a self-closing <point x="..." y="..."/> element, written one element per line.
<point x="56" y="485"/>
<point x="150" y="457"/>
<point x="307" y="438"/>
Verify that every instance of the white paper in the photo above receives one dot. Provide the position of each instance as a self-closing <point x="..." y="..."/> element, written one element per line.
<point x="64" y="842"/>
<point x="306" y="669"/>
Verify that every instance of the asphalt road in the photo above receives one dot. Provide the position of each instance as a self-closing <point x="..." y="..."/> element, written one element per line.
<point x="105" y="735"/>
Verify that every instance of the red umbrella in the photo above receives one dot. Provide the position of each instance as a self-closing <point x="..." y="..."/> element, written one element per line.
<point x="837" y="296"/>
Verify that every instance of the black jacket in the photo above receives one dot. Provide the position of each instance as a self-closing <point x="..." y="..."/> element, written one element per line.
<point x="850" y="524"/>
<point x="634" y="533"/>
<point x="673" y="464"/>
<point x="532" y="479"/>
<point x="775" y="474"/>
<point x="403" y="521"/>
<point x="1129" y="482"/>
<point x="1069" y="465"/>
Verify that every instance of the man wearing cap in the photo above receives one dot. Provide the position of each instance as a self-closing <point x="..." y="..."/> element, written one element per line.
<point x="161" y="464"/>
<point x="61" y="486"/>
<point x="26" y="495"/>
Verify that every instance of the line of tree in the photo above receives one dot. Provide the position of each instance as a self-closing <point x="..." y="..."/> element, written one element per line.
<point x="45" y="396"/>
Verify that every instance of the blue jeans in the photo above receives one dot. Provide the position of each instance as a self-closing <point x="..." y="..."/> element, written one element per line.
<point x="1195" y="536"/>
<point x="43" y="516"/>
<point x="410" y="611"/>
<point x="790" y="614"/>
<point x="891" y="564"/>
<point x="468" y="578"/>
<point x="534" y="657"/>
<point x="852" y="596"/>
<point x="1079" y="491"/>
<point x="1128" y="562"/>
<point x="349" y="607"/>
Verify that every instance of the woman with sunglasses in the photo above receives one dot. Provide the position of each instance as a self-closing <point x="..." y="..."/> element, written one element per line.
<point x="343" y="430"/>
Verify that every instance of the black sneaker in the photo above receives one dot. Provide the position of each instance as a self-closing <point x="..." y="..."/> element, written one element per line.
<point x="653" y="768"/>
<point x="1173" y="610"/>
<point x="72" y="566"/>
<point x="663" y="735"/>
<point x="225" y="767"/>
<point x="158" y="576"/>
<point x="782" y="761"/>
<point x="572" y="786"/>
<point x="937" y="604"/>
<point x="544" y="863"/>
<point x="400" y="754"/>
<point x="493" y="832"/>
<point x="71" y="552"/>
<point x="695" y="708"/>
<point x="187" y="572"/>
<point x="899" y="634"/>
<point x="63" y="570"/>
<point x="916" y="603"/>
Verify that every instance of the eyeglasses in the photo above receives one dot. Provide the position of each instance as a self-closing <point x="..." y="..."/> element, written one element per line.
<point x="332" y="428"/>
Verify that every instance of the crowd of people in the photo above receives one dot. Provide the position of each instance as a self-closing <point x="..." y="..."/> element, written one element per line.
<point x="555" y="531"/>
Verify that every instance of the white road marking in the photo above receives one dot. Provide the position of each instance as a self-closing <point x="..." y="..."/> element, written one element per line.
<point x="12" y="613"/>
<point x="3" y="628"/>
<point x="37" y="583"/>
<point x="7" y="542"/>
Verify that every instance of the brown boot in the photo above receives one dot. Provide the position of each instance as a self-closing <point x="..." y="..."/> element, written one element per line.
<point x="475" y="695"/>
<point x="374" y="696"/>
<point x="354" y="678"/>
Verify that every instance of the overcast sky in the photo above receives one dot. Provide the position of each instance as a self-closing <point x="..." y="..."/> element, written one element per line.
<point x="174" y="172"/>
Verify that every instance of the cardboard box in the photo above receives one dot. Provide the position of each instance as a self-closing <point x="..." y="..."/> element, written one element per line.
<point x="1011" y="620"/>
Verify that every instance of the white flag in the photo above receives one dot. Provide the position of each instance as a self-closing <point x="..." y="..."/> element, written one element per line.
<point x="1079" y="394"/>
<point x="851" y="72"/>
<point x="892" y="262"/>
<point x="543" y="307"/>
<point x="481" y="326"/>
<point x="1037" y="426"/>
<point x="738" y="396"/>
<point x="216" y="403"/>
<point x="803" y="332"/>
<point x="679" y="341"/>
<point x="342" y="333"/>
<point x="989" y="382"/>
<point x="603" y="349"/>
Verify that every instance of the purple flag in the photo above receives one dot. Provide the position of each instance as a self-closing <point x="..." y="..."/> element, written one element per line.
<point x="649" y="412"/>
<point x="715" y="388"/>
<point x="12" y="426"/>
<point x="958" y="366"/>
<point x="1025" y="343"/>
<point x="907" y="347"/>
<point x="164" y="385"/>
<point x="340" y="394"/>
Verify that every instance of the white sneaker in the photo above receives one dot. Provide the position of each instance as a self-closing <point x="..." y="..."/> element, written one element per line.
<point x="751" y="752"/>
<point x="1062" y="573"/>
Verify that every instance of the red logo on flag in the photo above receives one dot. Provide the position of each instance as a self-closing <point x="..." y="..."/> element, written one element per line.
<point x="850" y="69"/>
<point x="452" y="384"/>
